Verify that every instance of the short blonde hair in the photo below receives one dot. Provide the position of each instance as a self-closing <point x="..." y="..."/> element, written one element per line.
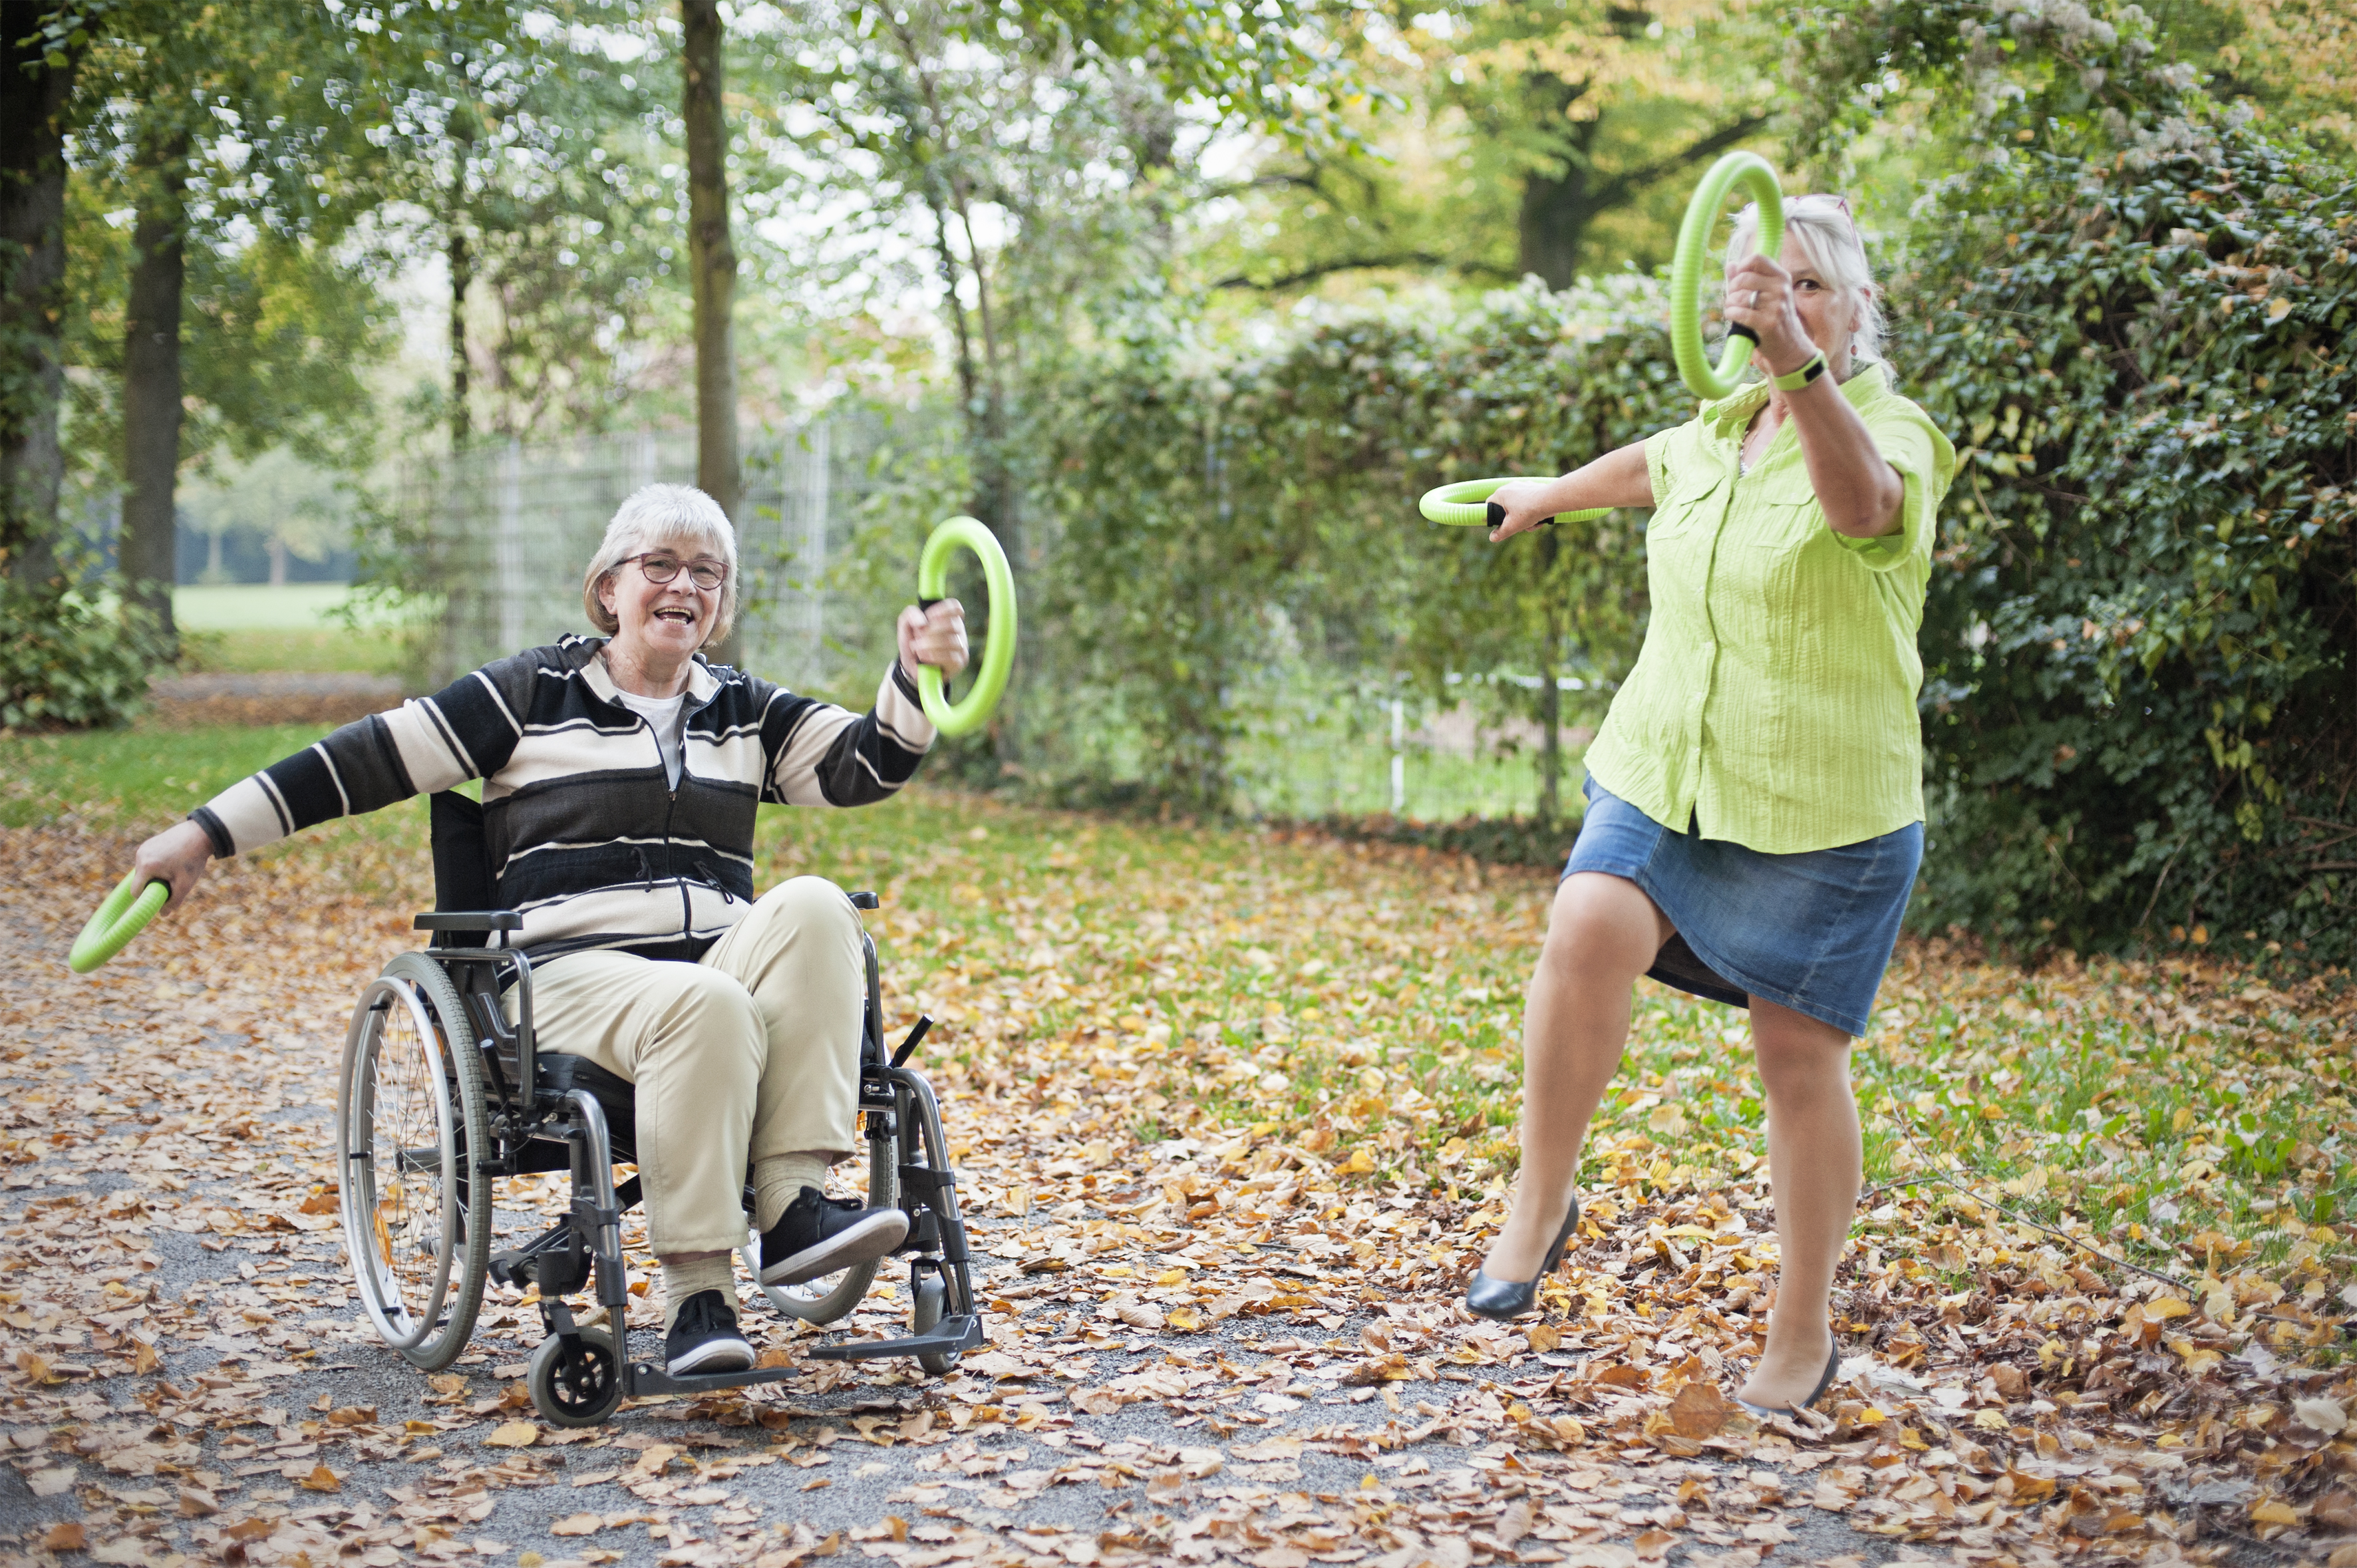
<point x="662" y="517"/>
<point x="1821" y="229"/>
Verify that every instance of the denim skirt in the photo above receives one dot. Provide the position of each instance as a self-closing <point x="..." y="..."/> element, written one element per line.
<point x="1810" y="932"/>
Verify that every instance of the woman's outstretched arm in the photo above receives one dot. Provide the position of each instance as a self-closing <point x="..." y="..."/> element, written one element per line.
<point x="1617" y="479"/>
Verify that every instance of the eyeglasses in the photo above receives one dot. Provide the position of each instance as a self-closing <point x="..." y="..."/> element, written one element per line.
<point x="660" y="567"/>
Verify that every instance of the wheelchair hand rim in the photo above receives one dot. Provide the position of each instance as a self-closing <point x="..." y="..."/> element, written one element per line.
<point x="121" y="915"/>
<point x="1752" y="172"/>
<point x="971" y="711"/>
<point x="1465" y="503"/>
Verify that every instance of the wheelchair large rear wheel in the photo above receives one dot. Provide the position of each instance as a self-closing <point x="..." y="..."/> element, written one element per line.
<point x="410" y="1129"/>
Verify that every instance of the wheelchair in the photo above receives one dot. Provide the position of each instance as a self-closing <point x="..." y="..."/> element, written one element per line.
<point x="440" y="1097"/>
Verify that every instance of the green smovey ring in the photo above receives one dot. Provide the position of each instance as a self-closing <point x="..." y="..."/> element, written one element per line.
<point x="1751" y="171"/>
<point x="974" y="710"/>
<point x="122" y="915"/>
<point x="1467" y="504"/>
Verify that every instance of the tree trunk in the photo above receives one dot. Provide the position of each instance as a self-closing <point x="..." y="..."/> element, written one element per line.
<point x="462" y="273"/>
<point x="32" y="293"/>
<point x="1557" y="209"/>
<point x="462" y="277"/>
<point x="151" y="377"/>
<point x="712" y="265"/>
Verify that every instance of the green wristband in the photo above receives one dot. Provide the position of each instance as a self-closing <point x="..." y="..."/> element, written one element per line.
<point x="1809" y="371"/>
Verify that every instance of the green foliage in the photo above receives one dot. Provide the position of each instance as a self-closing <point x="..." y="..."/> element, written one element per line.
<point x="69" y="661"/>
<point x="2139" y="645"/>
<point x="2131" y="310"/>
<point x="1261" y="511"/>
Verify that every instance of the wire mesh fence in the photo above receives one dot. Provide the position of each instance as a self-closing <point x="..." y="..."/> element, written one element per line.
<point x="505" y="532"/>
<point x="508" y="530"/>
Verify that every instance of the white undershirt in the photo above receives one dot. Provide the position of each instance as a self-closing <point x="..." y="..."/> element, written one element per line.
<point x="663" y="715"/>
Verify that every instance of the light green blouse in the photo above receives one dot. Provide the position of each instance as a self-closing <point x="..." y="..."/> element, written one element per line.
<point x="1774" y="702"/>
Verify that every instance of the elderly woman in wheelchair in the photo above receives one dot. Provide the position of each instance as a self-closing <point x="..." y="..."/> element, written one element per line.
<point x="727" y="1041"/>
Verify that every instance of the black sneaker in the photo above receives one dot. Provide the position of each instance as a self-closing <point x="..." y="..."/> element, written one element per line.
<point x="704" y="1338"/>
<point x="818" y="1235"/>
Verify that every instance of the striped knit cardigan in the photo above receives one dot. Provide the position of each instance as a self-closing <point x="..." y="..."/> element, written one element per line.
<point x="588" y="838"/>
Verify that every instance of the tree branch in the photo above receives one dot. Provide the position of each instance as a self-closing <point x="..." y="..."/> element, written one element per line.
<point x="1364" y="264"/>
<point x="1616" y="190"/>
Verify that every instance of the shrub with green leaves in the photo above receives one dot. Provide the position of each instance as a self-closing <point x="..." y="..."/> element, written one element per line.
<point x="1222" y="521"/>
<point x="70" y="662"/>
<point x="2139" y="702"/>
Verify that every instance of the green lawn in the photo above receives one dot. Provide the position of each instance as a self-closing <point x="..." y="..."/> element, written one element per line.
<point x="246" y="627"/>
<point x="2195" y="1119"/>
<point x="256" y="607"/>
<point x="132" y="777"/>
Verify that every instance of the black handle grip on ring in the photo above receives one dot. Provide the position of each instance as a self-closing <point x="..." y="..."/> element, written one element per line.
<point x="1497" y="515"/>
<point x="1736" y="329"/>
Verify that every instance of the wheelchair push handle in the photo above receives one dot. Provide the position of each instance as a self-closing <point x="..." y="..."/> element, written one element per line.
<point x="974" y="710"/>
<point x="121" y="916"/>
<point x="1467" y="504"/>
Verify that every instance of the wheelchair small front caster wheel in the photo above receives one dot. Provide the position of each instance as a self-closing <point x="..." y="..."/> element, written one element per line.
<point x="578" y="1384"/>
<point x="932" y="1294"/>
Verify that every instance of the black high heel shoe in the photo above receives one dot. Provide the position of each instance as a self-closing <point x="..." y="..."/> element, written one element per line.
<point x="1833" y="1366"/>
<point x="1506" y="1299"/>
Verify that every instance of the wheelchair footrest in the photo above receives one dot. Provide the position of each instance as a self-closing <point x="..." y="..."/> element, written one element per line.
<point x="648" y="1378"/>
<point x="953" y="1336"/>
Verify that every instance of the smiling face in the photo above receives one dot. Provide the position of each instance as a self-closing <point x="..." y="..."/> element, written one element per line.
<point x="666" y="620"/>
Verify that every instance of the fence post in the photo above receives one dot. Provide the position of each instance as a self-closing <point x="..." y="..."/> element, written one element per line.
<point x="1399" y="757"/>
<point x="815" y="474"/>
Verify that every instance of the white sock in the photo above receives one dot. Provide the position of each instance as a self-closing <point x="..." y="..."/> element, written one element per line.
<point x="778" y="1179"/>
<point x="682" y="1281"/>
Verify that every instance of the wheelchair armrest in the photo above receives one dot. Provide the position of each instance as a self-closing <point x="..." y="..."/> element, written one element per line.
<point x="472" y="920"/>
<point x="865" y="900"/>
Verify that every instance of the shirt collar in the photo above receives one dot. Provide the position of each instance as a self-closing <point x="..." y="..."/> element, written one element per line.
<point x="701" y="682"/>
<point x="1730" y="416"/>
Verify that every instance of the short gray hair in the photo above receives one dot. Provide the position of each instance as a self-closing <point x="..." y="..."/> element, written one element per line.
<point x="657" y="518"/>
<point x="1822" y="229"/>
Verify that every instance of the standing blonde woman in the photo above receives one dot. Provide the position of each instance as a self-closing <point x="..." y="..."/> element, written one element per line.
<point x="1755" y="798"/>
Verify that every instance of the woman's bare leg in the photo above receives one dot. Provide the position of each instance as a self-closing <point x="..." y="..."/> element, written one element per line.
<point x="1816" y="1160"/>
<point x="1603" y="934"/>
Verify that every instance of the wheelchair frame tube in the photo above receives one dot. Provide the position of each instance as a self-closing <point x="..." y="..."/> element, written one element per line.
<point x="594" y="1149"/>
<point x="925" y="1129"/>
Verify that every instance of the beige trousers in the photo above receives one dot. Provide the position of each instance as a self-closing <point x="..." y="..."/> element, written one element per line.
<point x="750" y="1052"/>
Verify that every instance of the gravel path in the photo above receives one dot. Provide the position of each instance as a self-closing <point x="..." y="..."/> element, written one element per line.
<point x="190" y="1379"/>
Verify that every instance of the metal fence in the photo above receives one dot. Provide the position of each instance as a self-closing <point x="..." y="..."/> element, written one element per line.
<point x="509" y="529"/>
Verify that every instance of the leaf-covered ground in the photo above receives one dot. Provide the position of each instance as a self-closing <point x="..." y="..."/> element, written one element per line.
<point x="1234" y="1118"/>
